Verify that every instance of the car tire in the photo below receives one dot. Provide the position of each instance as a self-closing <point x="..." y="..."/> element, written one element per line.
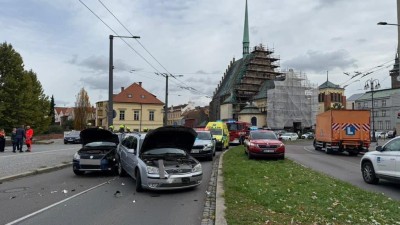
<point x="368" y="173"/>
<point x="78" y="172"/>
<point x="65" y="142"/>
<point x="120" y="170"/>
<point x="210" y="158"/>
<point x="138" y="183"/>
<point x="282" y="157"/>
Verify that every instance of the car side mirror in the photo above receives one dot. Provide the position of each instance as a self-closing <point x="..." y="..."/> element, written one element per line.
<point x="379" y="148"/>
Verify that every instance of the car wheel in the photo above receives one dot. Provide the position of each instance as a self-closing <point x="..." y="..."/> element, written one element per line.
<point x="138" y="186"/>
<point x="78" y="172"/>
<point x="121" y="171"/>
<point x="368" y="173"/>
<point x="210" y="157"/>
<point x="282" y="157"/>
<point x="65" y="142"/>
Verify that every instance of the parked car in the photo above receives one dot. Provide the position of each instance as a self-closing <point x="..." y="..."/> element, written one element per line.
<point x="264" y="143"/>
<point x="289" y="136"/>
<point x="72" y="137"/>
<point x="390" y="134"/>
<point x="97" y="153"/>
<point x="382" y="134"/>
<point x="308" y="135"/>
<point x="382" y="163"/>
<point x="160" y="159"/>
<point x="204" y="146"/>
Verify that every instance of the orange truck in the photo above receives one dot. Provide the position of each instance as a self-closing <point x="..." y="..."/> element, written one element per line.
<point x="343" y="130"/>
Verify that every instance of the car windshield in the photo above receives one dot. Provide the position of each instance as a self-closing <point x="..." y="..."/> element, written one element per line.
<point x="216" y="131"/>
<point x="263" y="135"/>
<point x="165" y="151"/>
<point x="232" y="126"/>
<point x="100" y="144"/>
<point x="204" y="135"/>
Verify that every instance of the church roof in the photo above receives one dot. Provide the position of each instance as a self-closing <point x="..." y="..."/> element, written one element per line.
<point x="250" y="109"/>
<point x="328" y="84"/>
<point x="262" y="93"/>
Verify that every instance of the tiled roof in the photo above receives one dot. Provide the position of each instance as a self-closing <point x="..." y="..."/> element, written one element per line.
<point x="61" y="109"/>
<point x="136" y="94"/>
<point x="385" y="93"/>
<point x="355" y="97"/>
<point x="250" y="109"/>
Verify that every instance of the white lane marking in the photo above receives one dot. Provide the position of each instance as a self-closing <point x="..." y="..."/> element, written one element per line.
<point x="57" y="203"/>
<point x="309" y="150"/>
<point x="36" y="153"/>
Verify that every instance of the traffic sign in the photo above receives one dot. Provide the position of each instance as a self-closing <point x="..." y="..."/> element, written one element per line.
<point x="350" y="130"/>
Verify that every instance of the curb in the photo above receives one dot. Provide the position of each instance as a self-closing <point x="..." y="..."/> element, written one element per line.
<point x="34" y="172"/>
<point x="220" y="201"/>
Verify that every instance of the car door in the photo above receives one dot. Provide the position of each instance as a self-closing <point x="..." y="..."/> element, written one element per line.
<point x="131" y="159"/>
<point x="123" y="151"/>
<point x="388" y="158"/>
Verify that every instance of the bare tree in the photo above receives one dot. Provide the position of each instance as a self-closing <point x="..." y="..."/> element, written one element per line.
<point x="82" y="110"/>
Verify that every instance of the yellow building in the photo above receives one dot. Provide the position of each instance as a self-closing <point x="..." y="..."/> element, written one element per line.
<point x="330" y="96"/>
<point x="136" y="109"/>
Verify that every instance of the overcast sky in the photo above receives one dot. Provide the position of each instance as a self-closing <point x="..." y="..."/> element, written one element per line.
<point x="68" y="46"/>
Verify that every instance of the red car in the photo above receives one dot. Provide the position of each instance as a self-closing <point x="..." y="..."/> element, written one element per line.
<point x="264" y="143"/>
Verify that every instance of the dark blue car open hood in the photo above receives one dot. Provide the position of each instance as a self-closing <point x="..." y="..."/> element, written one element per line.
<point x="95" y="134"/>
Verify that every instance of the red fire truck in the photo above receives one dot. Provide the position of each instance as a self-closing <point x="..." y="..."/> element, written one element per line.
<point x="237" y="131"/>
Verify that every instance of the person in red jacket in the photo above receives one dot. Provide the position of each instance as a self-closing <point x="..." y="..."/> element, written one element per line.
<point x="29" y="136"/>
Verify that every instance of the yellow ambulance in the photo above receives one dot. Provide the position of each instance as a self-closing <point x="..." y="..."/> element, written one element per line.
<point x="220" y="132"/>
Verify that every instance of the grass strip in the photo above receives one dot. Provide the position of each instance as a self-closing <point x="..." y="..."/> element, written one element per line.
<point x="284" y="192"/>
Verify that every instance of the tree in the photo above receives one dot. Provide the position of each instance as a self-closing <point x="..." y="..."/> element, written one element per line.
<point x="22" y="98"/>
<point x="51" y="113"/>
<point x="82" y="110"/>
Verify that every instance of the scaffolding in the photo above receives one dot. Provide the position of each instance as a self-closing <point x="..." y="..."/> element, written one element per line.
<point x="293" y="103"/>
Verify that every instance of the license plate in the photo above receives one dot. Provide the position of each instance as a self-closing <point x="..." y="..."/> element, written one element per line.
<point x="269" y="150"/>
<point x="195" y="151"/>
<point x="185" y="180"/>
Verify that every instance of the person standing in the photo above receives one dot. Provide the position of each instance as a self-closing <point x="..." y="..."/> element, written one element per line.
<point x="29" y="136"/>
<point x="2" y="140"/>
<point x="20" y="135"/>
<point x="14" y="139"/>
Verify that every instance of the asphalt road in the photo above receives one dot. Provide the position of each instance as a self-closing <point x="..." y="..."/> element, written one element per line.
<point x="60" y="197"/>
<point x="340" y="166"/>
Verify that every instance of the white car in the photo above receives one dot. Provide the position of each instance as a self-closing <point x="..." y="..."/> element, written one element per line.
<point x="289" y="136"/>
<point x="384" y="163"/>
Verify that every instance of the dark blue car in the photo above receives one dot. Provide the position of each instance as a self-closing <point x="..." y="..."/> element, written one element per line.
<point x="97" y="153"/>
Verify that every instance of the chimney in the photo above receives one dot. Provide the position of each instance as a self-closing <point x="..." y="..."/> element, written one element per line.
<point x="140" y="84"/>
<point x="122" y="89"/>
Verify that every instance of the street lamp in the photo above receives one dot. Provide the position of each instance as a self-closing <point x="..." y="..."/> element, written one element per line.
<point x="373" y="84"/>
<point x="166" y="75"/>
<point x="110" y="113"/>
<point x="398" y="30"/>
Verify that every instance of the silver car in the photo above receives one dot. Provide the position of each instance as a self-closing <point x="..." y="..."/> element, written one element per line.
<point x="204" y="146"/>
<point x="160" y="159"/>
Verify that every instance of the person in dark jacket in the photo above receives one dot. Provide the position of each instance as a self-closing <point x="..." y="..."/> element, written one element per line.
<point x="20" y="135"/>
<point x="2" y="140"/>
<point x="14" y="139"/>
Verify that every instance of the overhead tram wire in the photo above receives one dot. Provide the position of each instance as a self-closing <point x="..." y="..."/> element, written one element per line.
<point x="170" y="74"/>
<point x="118" y="35"/>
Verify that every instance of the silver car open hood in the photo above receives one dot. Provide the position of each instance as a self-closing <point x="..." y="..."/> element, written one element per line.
<point x="169" y="137"/>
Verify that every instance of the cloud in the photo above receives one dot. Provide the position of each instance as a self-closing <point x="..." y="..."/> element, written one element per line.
<point x="97" y="82"/>
<point x="99" y="64"/>
<point x="317" y="61"/>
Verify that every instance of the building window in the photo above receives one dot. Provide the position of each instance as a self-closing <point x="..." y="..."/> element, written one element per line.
<point x="383" y="102"/>
<point x="388" y="127"/>
<point x="122" y="115"/>
<point x="359" y="105"/>
<point x="375" y="103"/>
<point x="151" y="115"/>
<point x="383" y="112"/>
<point x="365" y="104"/>
<point x="380" y="125"/>
<point x="376" y="113"/>
<point x="136" y="115"/>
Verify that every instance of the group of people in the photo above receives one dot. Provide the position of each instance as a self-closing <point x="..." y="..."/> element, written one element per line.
<point x="18" y="136"/>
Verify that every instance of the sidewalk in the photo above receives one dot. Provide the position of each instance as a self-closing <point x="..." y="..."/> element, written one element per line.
<point x="44" y="157"/>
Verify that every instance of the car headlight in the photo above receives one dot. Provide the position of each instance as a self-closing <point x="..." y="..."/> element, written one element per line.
<point x="197" y="168"/>
<point x="77" y="156"/>
<point x="152" y="170"/>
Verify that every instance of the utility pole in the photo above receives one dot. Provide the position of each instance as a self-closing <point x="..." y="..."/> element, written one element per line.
<point x="110" y="113"/>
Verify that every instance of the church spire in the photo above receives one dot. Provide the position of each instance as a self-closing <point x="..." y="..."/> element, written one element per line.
<point x="246" y="41"/>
